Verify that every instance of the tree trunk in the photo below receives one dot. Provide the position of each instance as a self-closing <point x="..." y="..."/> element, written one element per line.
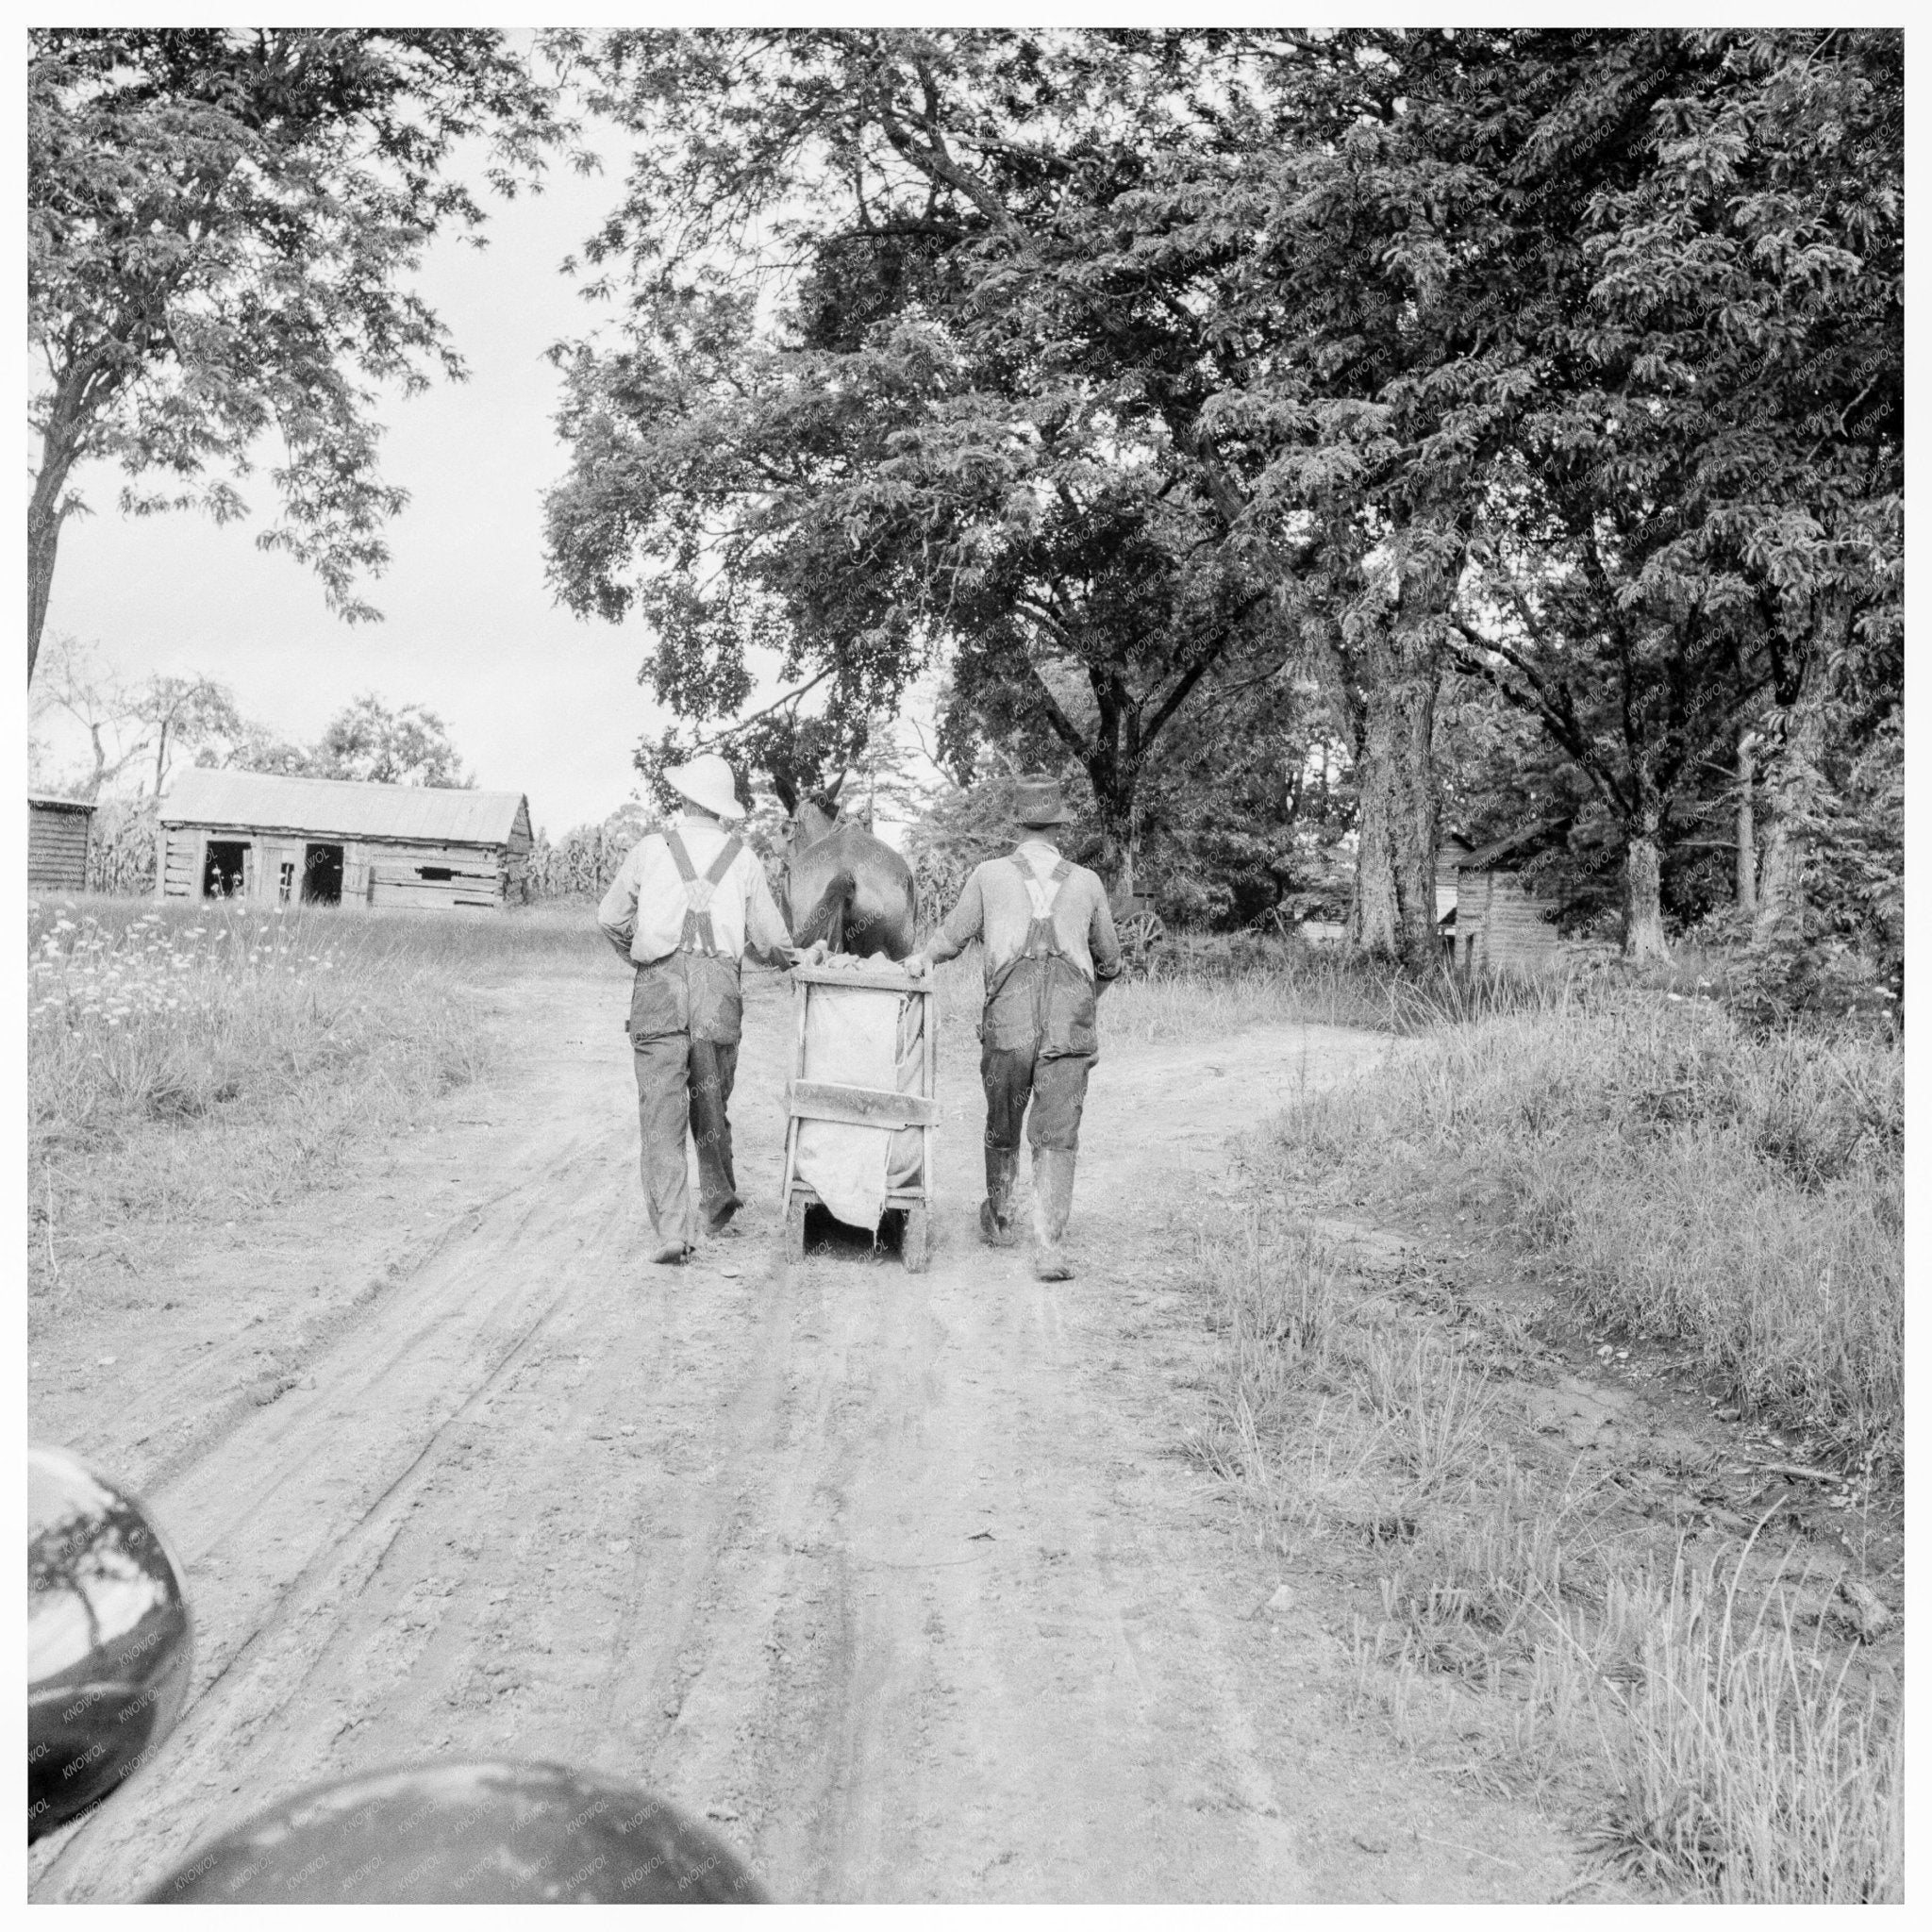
<point x="1393" y="914"/>
<point x="1791" y="796"/>
<point x="60" y="441"/>
<point x="44" y="519"/>
<point x="1113" y="769"/>
<point x="1747" y="825"/>
<point x="100" y="776"/>
<point x="1643" y="913"/>
<point x="1116" y="831"/>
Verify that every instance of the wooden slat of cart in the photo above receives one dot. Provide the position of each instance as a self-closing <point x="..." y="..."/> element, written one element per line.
<point x="878" y="978"/>
<point x="798" y="998"/>
<point x="858" y="1106"/>
<point x="895" y="1197"/>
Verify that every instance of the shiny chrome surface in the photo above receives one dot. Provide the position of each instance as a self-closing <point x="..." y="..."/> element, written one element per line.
<point x="488" y="1832"/>
<point x="108" y="1645"/>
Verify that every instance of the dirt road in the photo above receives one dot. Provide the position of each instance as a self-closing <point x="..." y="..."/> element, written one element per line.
<point x="897" y="1578"/>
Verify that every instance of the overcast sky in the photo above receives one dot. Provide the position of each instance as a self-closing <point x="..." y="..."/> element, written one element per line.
<point x="535" y="700"/>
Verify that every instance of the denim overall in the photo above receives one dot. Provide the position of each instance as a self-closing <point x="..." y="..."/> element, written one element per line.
<point x="1040" y="1000"/>
<point x="686" y="1011"/>
<point x="1037" y="1043"/>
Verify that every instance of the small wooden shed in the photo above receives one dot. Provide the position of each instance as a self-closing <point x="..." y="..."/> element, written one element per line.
<point x="58" y="831"/>
<point x="1499" y="917"/>
<point x="276" y="840"/>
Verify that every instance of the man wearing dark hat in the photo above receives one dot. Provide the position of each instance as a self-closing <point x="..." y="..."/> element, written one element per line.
<point x="1046" y="933"/>
<point x="686" y="904"/>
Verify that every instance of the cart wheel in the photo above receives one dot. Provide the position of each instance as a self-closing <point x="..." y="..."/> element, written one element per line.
<point x="916" y="1247"/>
<point x="1139" y="934"/>
<point x="794" y="1230"/>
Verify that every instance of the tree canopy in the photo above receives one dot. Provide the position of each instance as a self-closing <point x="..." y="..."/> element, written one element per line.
<point x="220" y="223"/>
<point x="944" y="439"/>
<point x="1300" y="439"/>
<point x="1533" y="396"/>
<point x="370" y="741"/>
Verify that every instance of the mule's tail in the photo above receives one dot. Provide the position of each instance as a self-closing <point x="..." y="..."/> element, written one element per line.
<point x="829" y="918"/>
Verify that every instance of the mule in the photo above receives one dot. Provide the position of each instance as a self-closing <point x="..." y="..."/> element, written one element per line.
<point x="844" y="886"/>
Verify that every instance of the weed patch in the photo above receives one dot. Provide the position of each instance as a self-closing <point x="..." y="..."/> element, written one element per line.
<point x="1709" y="1728"/>
<point x="1196" y="988"/>
<point x="1739" y="1191"/>
<point x="186" y="1061"/>
<point x="1750" y="1767"/>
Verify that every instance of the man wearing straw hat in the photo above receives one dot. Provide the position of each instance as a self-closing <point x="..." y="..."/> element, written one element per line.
<point x="686" y="904"/>
<point x="1047" y="938"/>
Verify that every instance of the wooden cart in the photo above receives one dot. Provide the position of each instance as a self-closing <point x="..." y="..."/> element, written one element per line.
<point x="865" y="1107"/>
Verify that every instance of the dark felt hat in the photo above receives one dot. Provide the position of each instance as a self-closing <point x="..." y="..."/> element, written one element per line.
<point x="1036" y="801"/>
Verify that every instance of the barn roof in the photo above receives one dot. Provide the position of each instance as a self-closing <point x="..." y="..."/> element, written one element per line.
<point x="47" y="802"/>
<point x="203" y="797"/>
<point x="1517" y="843"/>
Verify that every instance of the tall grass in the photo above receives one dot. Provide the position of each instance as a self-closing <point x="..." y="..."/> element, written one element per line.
<point x="1740" y="1192"/>
<point x="1526" y="1631"/>
<point x="1198" y="988"/>
<point x="191" y="1060"/>
<point x="1750" y="1768"/>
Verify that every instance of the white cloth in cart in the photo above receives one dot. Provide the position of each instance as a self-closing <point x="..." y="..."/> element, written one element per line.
<point x="861" y="1036"/>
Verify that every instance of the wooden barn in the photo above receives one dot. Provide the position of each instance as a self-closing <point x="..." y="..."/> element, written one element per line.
<point x="1498" y="917"/>
<point x="326" y="842"/>
<point x="58" y="830"/>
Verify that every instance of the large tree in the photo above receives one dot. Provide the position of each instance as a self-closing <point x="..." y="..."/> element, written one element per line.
<point x="1138" y="365"/>
<point x="1692" y="544"/>
<point x="184" y="715"/>
<point x="221" y="222"/>
<point x="376" y="745"/>
<point x="94" y="697"/>
<point x="949" y="432"/>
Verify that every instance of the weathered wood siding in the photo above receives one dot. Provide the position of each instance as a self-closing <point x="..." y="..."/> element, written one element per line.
<point x="178" y="875"/>
<point x="57" y="845"/>
<point x="516" y="860"/>
<point x="375" y="872"/>
<point x="435" y="875"/>
<point x="1500" y="922"/>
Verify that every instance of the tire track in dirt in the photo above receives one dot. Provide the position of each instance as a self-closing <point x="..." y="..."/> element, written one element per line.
<point x="297" y="1507"/>
<point x="896" y="1576"/>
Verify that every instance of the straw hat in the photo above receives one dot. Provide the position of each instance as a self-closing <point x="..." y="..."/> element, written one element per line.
<point x="1036" y="801"/>
<point x="706" y="781"/>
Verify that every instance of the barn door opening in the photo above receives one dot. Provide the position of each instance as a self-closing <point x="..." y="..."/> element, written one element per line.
<point x="322" y="875"/>
<point x="222" y="873"/>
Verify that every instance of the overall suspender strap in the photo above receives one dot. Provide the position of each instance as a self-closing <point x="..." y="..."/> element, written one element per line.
<point x="1042" y="942"/>
<point x="699" y="935"/>
<point x="1048" y="1010"/>
<point x="1042" y="899"/>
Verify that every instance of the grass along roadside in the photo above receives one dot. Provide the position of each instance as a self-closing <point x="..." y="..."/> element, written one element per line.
<point x="1703" y="1708"/>
<point x="1203" y="988"/>
<point x="1699" y="1183"/>
<point x="202" y="1061"/>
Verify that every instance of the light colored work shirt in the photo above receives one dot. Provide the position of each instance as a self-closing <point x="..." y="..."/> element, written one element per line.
<point x="642" y="913"/>
<point x="997" y="911"/>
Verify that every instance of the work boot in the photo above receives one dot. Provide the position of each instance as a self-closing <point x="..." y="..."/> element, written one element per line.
<point x="675" y="1241"/>
<point x="996" y="1210"/>
<point x="1052" y="1200"/>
